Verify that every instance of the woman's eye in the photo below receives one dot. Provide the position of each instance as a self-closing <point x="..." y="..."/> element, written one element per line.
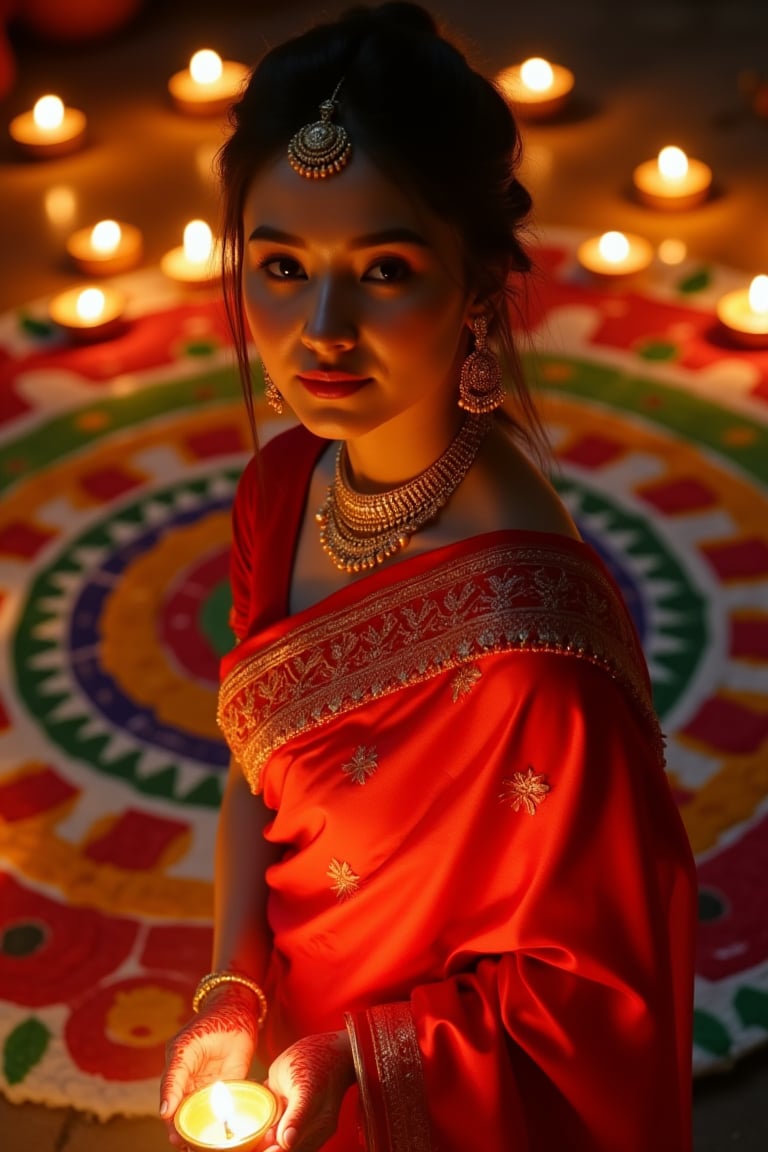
<point x="284" y="268"/>
<point x="389" y="271"/>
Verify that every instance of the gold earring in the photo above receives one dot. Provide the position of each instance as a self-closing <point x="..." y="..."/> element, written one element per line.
<point x="481" y="388"/>
<point x="272" y="393"/>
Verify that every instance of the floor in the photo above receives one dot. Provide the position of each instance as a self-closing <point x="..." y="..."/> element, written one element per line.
<point x="658" y="72"/>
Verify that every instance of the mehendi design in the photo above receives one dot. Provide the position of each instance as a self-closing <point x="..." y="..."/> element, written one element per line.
<point x="225" y="1031"/>
<point x="312" y="1076"/>
<point x="362" y="765"/>
<point x="525" y="790"/>
<point x="314" y="1060"/>
<point x="345" y="881"/>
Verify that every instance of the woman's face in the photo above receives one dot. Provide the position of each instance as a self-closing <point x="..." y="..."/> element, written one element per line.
<point x="356" y="300"/>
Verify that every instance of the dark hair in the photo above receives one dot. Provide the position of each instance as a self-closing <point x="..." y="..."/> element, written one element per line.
<point x="410" y="101"/>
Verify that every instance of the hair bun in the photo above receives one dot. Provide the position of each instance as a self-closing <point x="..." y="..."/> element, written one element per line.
<point x="397" y="13"/>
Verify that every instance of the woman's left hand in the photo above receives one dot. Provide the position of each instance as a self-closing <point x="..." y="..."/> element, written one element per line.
<point x="309" y="1080"/>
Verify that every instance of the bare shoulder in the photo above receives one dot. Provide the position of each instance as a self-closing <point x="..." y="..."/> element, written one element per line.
<point x="507" y="490"/>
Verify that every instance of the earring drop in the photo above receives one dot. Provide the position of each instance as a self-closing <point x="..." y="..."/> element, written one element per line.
<point x="272" y="393"/>
<point x="481" y="388"/>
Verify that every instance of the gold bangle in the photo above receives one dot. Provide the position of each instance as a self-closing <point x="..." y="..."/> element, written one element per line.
<point x="215" y="979"/>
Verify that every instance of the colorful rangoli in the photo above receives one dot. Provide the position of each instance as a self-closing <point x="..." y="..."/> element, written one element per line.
<point x="118" y="462"/>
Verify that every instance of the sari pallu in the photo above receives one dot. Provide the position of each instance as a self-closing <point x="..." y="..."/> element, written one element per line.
<point x="484" y="875"/>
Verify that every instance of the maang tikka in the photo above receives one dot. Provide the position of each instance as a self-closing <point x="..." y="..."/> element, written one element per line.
<point x="481" y="387"/>
<point x="320" y="149"/>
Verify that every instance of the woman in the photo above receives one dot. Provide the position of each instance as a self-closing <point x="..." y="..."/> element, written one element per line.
<point x="454" y="899"/>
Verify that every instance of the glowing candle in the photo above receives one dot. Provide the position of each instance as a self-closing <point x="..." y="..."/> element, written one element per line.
<point x="208" y="86"/>
<point x="88" y="313"/>
<point x="106" y="248"/>
<point x="744" y="313"/>
<point x="195" y="262"/>
<point x="536" y="88"/>
<point x="233" y="1116"/>
<point x="49" y="129"/>
<point x="672" y="251"/>
<point x="672" y="180"/>
<point x="615" y="255"/>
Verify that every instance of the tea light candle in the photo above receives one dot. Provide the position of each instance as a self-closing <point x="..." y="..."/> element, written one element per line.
<point x="88" y="313"/>
<point x="106" y="248"/>
<point x="672" y="180"/>
<point x="195" y="261"/>
<point x="234" y="1116"/>
<point x="615" y="255"/>
<point x="744" y="313"/>
<point x="536" y="88"/>
<point x="49" y="129"/>
<point x="208" y="86"/>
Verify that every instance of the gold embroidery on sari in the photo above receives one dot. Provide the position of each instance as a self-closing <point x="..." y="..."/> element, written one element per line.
<point x="400" y="1072"/>
<point x="363" y="764"/>
<point x="499" y="599"/>
<point x="464" y="681"/>
<point x="525" y="790"/>
<point x="345" y="881"/>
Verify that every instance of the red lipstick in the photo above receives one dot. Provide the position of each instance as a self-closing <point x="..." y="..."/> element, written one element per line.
<point x="331" y="384"/>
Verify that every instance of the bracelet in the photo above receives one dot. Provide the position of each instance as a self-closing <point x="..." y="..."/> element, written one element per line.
<point x="215" y="979"/>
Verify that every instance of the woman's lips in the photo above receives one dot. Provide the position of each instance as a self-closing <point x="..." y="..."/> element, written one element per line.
<point x="331" y="385"/>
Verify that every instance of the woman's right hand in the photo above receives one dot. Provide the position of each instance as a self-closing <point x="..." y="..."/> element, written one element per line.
<point x="217" y="1044"/>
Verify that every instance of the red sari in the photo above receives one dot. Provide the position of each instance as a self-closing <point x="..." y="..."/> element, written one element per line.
<point x="484" y="874"/>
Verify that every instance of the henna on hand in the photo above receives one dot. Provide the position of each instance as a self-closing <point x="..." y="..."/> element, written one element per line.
<point x="216" y="1044"/>
<point x="311" y="1077"/>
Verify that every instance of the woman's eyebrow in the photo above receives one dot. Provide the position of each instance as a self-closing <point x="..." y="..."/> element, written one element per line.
<point x="396" y="235"/>
<point x="277" y="236"/>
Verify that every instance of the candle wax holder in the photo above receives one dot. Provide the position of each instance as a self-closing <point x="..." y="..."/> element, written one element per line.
<point x="745" y="326"/>
<point x="178" y="266"/>
<point x="195" y="98"/>
<point x="126" y="254"/>
<point x="63" y="312"/>
<point x="656" y="190"/>
<point x="638" y="258"/>
<point x="537" y="104"/>
<point x="254" y="1109"/>
<point x="42" y="143"/>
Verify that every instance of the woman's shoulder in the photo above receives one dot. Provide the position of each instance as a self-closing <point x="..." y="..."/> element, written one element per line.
<point x="509" y="492"/>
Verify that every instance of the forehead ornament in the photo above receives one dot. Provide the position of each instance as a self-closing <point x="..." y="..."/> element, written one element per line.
<point x="322" y="148"/>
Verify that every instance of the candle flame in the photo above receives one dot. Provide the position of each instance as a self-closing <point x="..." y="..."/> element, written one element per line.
<point x="673" y="163"/>
<point x="106" y="236"/>
<point x="205" y="66"/>
<point x="198" y="242"/>
<point x="536" y="73"/>
<point x="758" y="295"/>
<point x="48" y="112"/>
<point x="613" y="247"/>
<point x="222" y="1104"/>
<point x="90" y="304"/>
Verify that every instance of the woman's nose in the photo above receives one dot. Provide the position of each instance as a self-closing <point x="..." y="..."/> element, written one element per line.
<point x="330" y="325"/>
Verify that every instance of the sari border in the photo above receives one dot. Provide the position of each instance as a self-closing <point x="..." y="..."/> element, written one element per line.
<point x="499" y="599"/>
<point x="393" y="1101"/>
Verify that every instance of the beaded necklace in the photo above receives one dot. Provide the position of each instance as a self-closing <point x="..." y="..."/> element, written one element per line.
<point x="360" y="530"/>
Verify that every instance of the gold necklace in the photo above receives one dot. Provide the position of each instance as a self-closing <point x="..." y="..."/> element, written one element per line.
<point x="359" y="531"/>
